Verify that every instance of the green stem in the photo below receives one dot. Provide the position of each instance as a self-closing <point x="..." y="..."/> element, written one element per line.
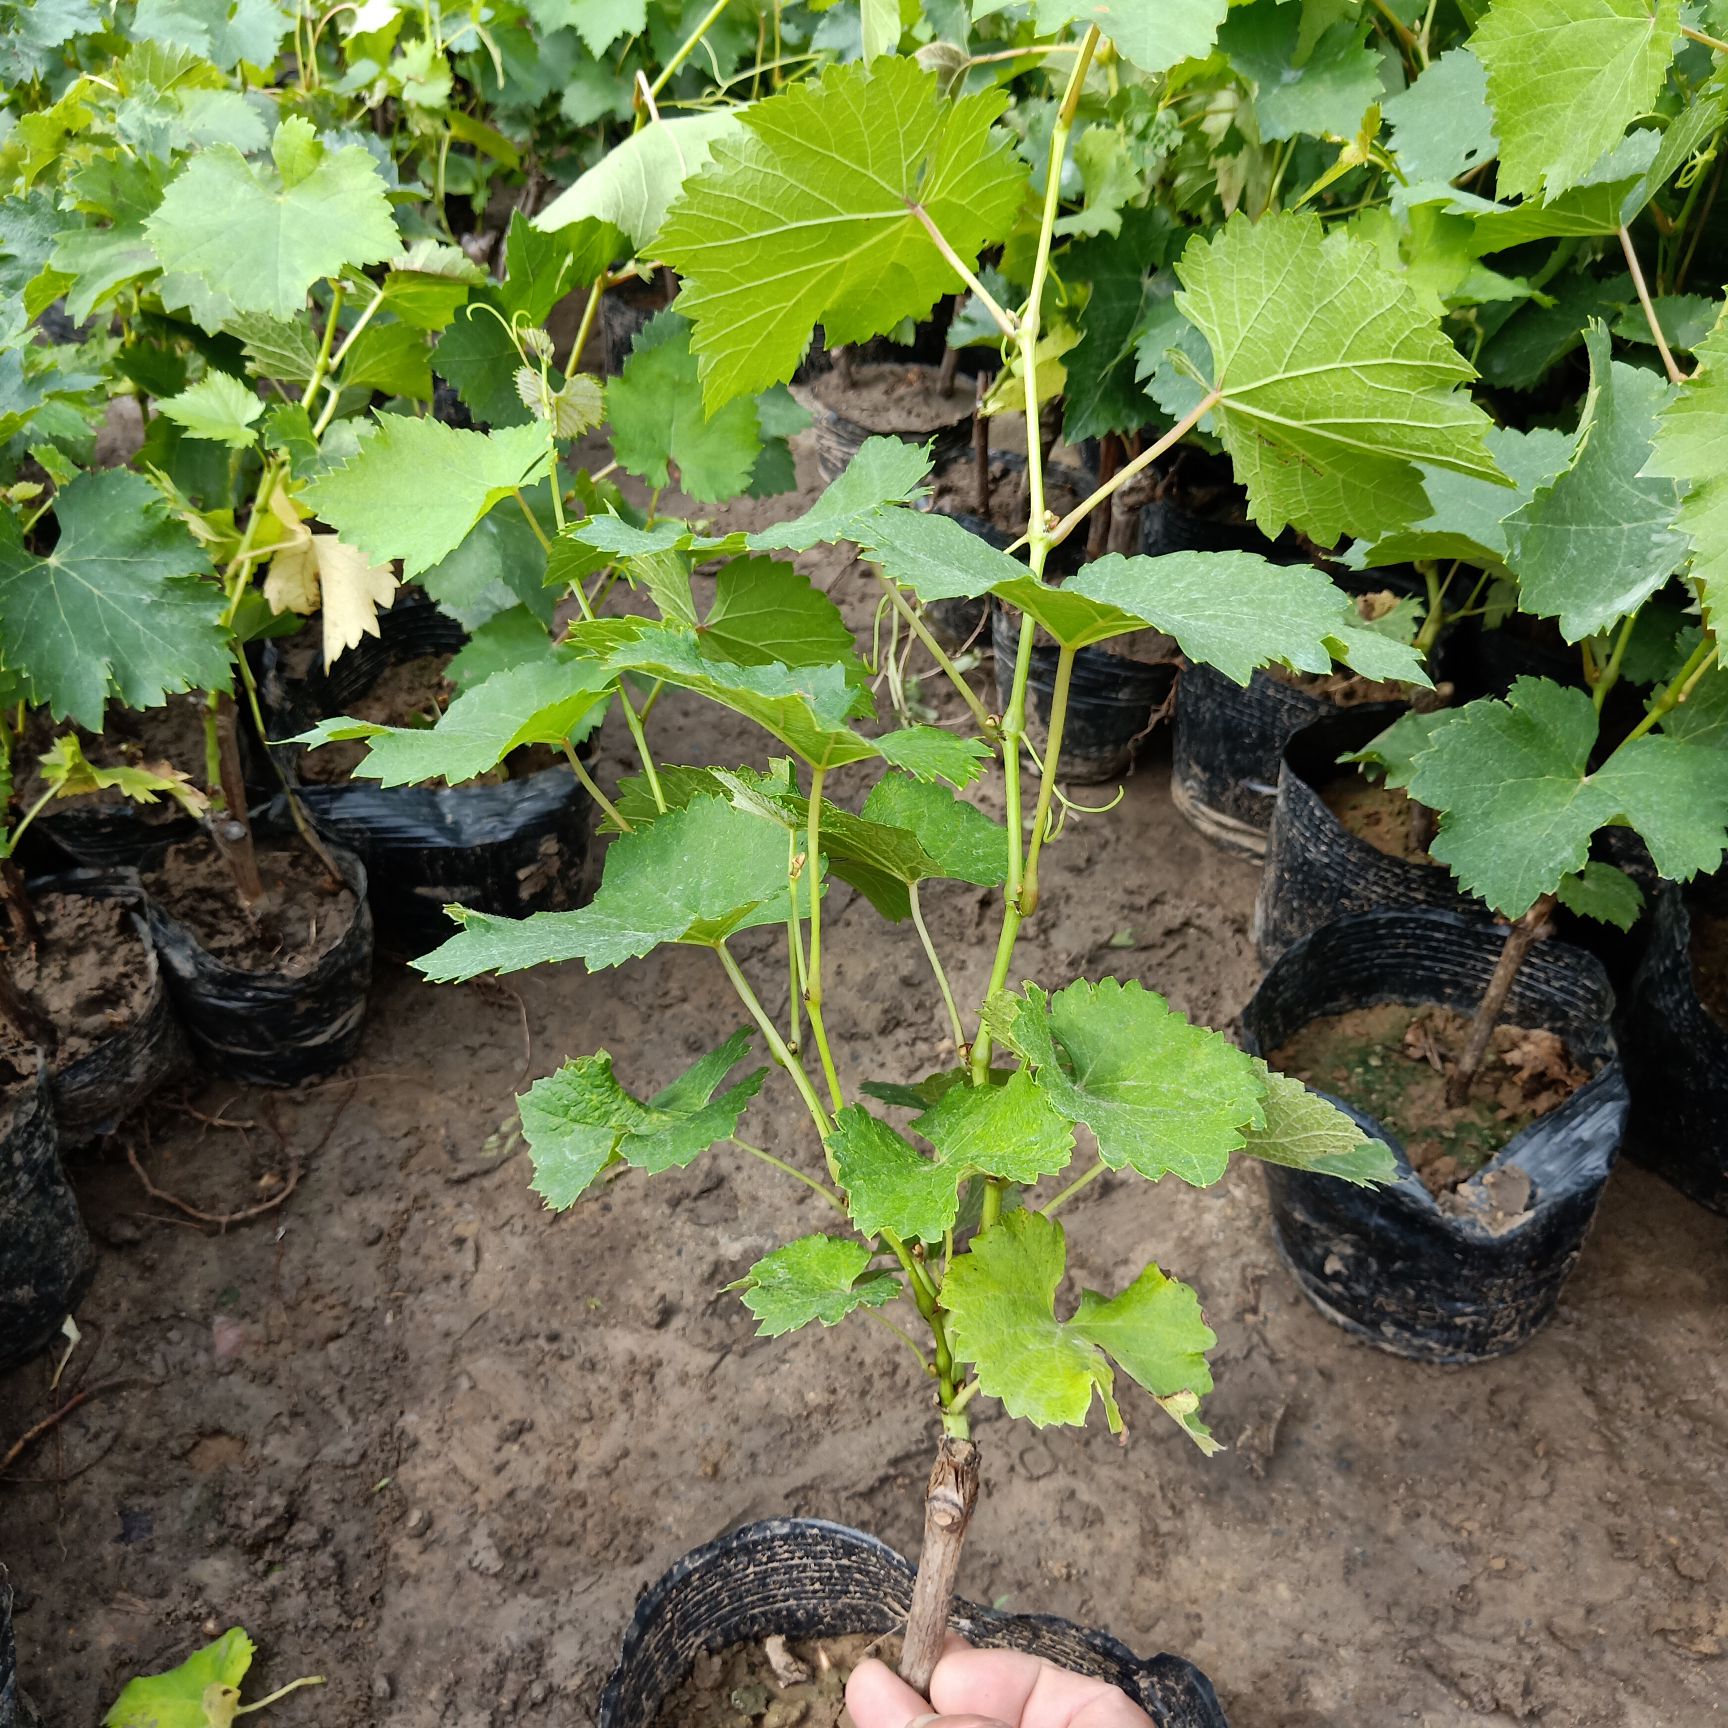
<point x="532" y="521"/>
<point x="795" y="1173"/>
<point x="1047" y="780"/>
<point x="1692" y="35"/>
<point x="777" y="1048"/>
<point x="1002" y="320"/>
<point x="813" y="984"/>
<point x="1679" y="688"/>
<point x="584" y="329"/>
<point x="1669" y="363"/>
<point x="28" y="817"/>
<point x="1611" y="672"/>
<point x="688" y="48"/>
<point x="586" y="781"/>
<point x="941" y="977"/>
<point x="321" y="366"/>
<point x="799" y="972"/>
<point x="991" y="1211"/>
<point x="905" y="1337"/>
<point x="1056" y="1202"/>
<point x="280" y="1693"/>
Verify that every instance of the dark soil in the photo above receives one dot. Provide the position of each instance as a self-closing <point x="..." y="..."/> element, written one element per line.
<point x="1375" y="812"/>
<point x="1710" y="962"/>
<point x="893" y="398"/>
<point x="302" y="919"/>
<point x="171" y="736"/>
<point x="90" y="974"/>
<point x="423" y="1437"/>
<point x="799" y="1684"/>
<point x="411" y="693"/>
<point x="1392" y="1060"/>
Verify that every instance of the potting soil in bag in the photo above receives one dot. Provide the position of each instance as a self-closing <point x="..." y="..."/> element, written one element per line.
<point x="511" y="848"/>
<point x="802" y="1578"/>
<point x="1477" y="1276"/>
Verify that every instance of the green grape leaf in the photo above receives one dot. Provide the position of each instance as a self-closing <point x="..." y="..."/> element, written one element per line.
<point x="1321" y="88"/>
<point x="119" y="608"/>
<point x="885" y="471"/>
<point x="1124" y="276"/>
<point x="659" y="429"/>
<point x="1565" y="80"/>
<point x="1154" y="37"/>
<point x="890" y="1185"/>
<point x="417" y="487"/>
<point x="176" y="1699"/>
<point x="279" y="348"/>
<point x="696" y="875"/>
<point x="929" y="753"/>
<point x="1011" y="1131"/>
<point x="1335" y="380"/>
<point x="427" y="285"/>
<point x="1000" y="1297"/>
<point x="1160" y="1095"/>
<point x="391" y="358"/>
<point x="476" y="356"/>
<point x="1442" y="126"/>
<point x="1466" y="519"/>
<point x="579" y="1120"/>
<point x="1691" y="446"/>
<point x="1304" y="1132"/>
<point x="634" y="184"/>
<point x="1237" y="611"/>
<point x="67" y="773"/>
<point x="222" y="31"/>
<point x="765" y="611"/>
<point x="815" y="1278"/>
<point x="1600" y="538"/>
<point x="931" y="554"/>
<point x="218" y="407"/>
<point x="1518" y="804"/>
<point x="808" y="217"/>
<point x="540" y="702"/>
<point x="961" y="841"/>
<point x="1602" y="892"/>
<point x="260" y="237"/>
<point x="544" y="261"/>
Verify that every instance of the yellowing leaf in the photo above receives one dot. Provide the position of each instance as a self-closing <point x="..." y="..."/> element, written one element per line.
<point x="352" y="588"/>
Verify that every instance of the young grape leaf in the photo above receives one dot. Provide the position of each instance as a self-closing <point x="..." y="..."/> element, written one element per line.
<point x="1304" y="1132"/>
<point x="1442" y="126"/>
<point x="176" y="1699"/>
<point x="119" y="608"/>
<point x="1334" y="379"/>
<point x="417" y="487"/>
<point x="1000" y="1297"/>
<point x="766" y="612"/>
<point x="964" y="844"/>
<point x="634" y="183"/>
<point x="540" y="702"/>
<point x="598" y="22"/>
<point x="931" y="554"/>
<point x="579" y="1120"/>
<point x="929" y="753"/>
<point x="1467" y="517"/>
<point x="544" y="261"/>
<point x="808" y="217"/>
<point x="1011" y="1131"/>
<point x="1320" y="86"/>
<point x="885" y="471"/>
<point x="1691" y="446"/>
<point x="1565" y="80"/>
<point x="260" y="237"/>
<point x="1160" y="1095"/>
<point x="1602" y="892"/>
<point x="218" y="407"/>
<point x="658" y="423"/>
<point x="1237" y="611"/>
<point x="67" y="773"/>
<point x="222" y="31"/>
<point x="696" y="875"/>
<point x="1597" y="541"/>
<point x="1518" y="803"/>
<point x="1155" y="38"/>
<point x="815" y="1278"/>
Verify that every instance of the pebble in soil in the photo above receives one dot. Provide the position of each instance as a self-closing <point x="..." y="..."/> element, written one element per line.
<point x="1392" y="1061"/>
<point x="780" y="1683"/>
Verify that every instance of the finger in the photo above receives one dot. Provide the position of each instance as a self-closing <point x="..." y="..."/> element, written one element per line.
<point x="878" y="1698"/>
<point x="1030" y="1693"/>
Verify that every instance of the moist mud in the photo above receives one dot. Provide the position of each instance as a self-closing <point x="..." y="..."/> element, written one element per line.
<point x="1392" y="1060"/>
<point x="89" y="973"/>
<point x="890" y="398"/>
<point x="779" y="1683"/>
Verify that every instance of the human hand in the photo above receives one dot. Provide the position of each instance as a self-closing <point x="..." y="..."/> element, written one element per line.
<point x="989" y="1689"/>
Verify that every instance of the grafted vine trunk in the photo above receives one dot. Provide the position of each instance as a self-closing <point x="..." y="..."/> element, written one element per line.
<point x="232" y="826"/>
<point x="951" y="1495"/>
<point x="1519" y="940"/>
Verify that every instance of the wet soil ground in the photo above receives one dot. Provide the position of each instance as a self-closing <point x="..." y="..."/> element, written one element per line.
<point x="424" y="1438"/>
